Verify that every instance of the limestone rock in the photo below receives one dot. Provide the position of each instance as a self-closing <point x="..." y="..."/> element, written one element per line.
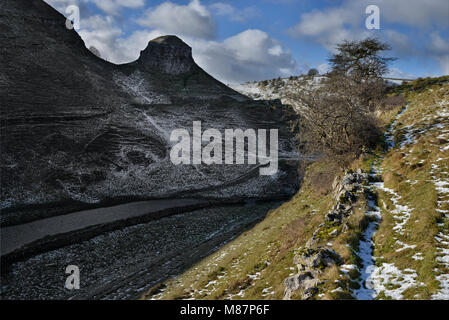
<point x="304" y="282"/>
<point x="168" y="54"/>
<point x="316" y="258"/>
<point x="313" y="259"/>
<point x="309" y="292"/>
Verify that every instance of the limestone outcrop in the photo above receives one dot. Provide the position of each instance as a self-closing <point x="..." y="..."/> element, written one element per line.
<point x="168" y="54"/>
<point x="312" y="259"/>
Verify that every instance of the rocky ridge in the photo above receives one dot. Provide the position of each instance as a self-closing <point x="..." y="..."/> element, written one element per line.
<point x="168" y="54"/>
<point x="80" y="132"/>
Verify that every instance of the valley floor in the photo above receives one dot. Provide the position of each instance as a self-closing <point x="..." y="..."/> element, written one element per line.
<point x="125" y="263"/>
<point x="17" y="236"/>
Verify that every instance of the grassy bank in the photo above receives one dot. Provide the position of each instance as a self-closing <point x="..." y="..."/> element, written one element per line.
<point x="412" y="214"/>
<point x="254" y="265"/>
<point x="413" y="208"/>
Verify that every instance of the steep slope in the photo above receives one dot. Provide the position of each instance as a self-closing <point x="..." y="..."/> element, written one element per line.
<point x="77" y="131"/>
<point x="381" y="233"/>
<point x="255" y="264"/>
<point x="411" y="244"/>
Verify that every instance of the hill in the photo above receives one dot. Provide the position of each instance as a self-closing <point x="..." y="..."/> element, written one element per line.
<point x="279" y="88"/>
<point x="79" y="132"/>
<point x="377" y="231"/>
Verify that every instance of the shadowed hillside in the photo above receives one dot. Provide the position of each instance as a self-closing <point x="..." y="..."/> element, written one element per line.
<point x="78" y="131"/>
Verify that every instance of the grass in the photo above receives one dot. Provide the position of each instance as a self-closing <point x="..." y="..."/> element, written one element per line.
<point x="257" y="262"/>
<point x="255" y="265"/>
<point x="408" y="170"/>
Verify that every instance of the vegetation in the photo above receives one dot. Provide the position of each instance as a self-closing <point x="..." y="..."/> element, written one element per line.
<point x="411" y="170"/>
<point x="361" y="59"/>
<point x="254" y="265"/>
<point x="343" y="117"/>
<point x="337" y="117"/>
<point x="313" y="72"/>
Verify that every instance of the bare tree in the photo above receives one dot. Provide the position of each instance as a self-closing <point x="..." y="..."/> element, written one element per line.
<point x="336" y="115"/>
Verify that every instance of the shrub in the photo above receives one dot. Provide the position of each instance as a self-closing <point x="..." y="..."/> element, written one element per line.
<point x="313" y="72"/>
<point x="337" y="116"/>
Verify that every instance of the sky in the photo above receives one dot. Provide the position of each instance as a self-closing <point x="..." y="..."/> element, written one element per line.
<point x="251" y="40"/>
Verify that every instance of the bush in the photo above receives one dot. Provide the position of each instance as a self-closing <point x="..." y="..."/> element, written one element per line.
<point x="337" y="117"/>
<point x="391" y="102"/>
<point x="313" y="72"/>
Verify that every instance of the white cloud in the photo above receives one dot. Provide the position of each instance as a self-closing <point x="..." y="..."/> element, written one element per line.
<point x="440" y="50"/>
<point x="249" y="55"/>
<point x="114" y="7"/>
<point x="110" y="7"/>
<point x="234" y="14"/>
<point x="102" y="33"/>
<point x="328" y="27"/>
<point x="398" y="73"/>
<point x="192" y="20"/>
<point x="438" y="44"/>
<point x="415" y="12"/>
<point x="399" y="41"/>
<point x="318" y="22"/>
<point x="128" y="49"/>
<point x="222" y="9"/>
<point x="131" y="3"/>
<point x="276" y="50"/>
<point x="444" y="63"/>
<point x="324" y="68"/>
<point x="332" y="25"/>
<point x="60" y="5"/>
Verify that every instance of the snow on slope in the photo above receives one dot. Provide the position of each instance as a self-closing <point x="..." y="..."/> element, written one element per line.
<point x="272" y="89"/>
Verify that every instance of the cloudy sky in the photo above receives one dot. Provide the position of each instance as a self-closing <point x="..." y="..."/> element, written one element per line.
<point x="245" y="40"/>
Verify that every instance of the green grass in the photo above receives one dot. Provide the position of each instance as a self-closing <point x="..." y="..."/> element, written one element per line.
<point x="409" y="172"/>
<point x="267" y="249"/>
<point x="257" y="262"/>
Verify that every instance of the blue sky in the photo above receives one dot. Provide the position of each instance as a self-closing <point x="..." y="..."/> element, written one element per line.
<point x="245" y="40"/>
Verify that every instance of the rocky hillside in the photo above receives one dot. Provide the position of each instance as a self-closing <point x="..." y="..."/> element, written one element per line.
<point x="78" y="131"/>
<point x="280" y="88"/>
<point x="377" y="231"/>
